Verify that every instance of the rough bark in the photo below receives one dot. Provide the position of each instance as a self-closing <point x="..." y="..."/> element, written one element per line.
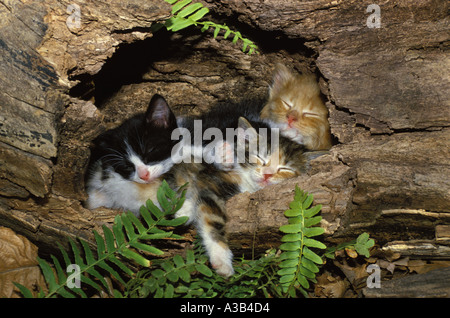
<point x="434" y="284"/>
<point x="387" y="91"/>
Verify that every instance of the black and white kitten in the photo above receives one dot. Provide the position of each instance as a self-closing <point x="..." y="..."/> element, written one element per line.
<point x="125" y="160"/>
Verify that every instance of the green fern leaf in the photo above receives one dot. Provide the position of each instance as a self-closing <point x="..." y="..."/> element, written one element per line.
<point x="168" y="293"/>
<point x="204" y="269"/>
<point x="286" y="278"/>
<point x="291" y="228"/>
<point x="48" y="275"/>
<point x="76" y="253"/>
<point x="312" y="221"/>
<point x="147" y="248"/>
<point x="59" y="270"/>
<point x="189" y="10"/>
<point x="303" y="281"/>
<point x="118" y="231"/>
<point x="227" y="32"/>
<point x="307" y="273"/>
<point x="299" y="262"/>
<point x="312" y="231"/>
<point x="293" y="262"/>
<point x="190" y="257"/>
<point x="306" y="204"/>
<point x="129" y="228"/>
<point x="88" y="252"/>
<point x="199" y="14"/>
<point x="312" y="256"/>
<point x="293" y="237"/>
<point x="101" y="247"/>
<point x="312" y="211"/>
<point x="131" y="255"/>
<point x="216" y="31"/>
<point x="179" y="5"/>
<point x="24" y="291"/>
<point x="184" y="275"/>
<point x="313" y="243"/>
<point x="178" y="260"/>
<point x="109" y="238"/>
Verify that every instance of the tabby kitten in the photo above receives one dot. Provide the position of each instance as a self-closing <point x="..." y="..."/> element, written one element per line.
<point x="125" y="160"/>
<point x="295" y="106"/>
<point x="210" y="186"/>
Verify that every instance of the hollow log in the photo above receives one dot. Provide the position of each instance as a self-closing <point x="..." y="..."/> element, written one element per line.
<point x="71" y="69"/>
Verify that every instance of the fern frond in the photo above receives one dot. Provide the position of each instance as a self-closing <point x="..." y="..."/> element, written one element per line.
<point x="361" y="245"/>
<point x="185" y="13"/>
<point x="174" y="277"/>
<point x="127" y="240"/>
<point x="299" y="262"/>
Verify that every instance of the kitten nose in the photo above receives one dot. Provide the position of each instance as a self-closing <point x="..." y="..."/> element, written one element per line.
<point x="143" y="173"/>
<point x="291" y="118"/>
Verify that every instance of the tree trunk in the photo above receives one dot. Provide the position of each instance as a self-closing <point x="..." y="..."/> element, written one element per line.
<point x="71" y="69"/>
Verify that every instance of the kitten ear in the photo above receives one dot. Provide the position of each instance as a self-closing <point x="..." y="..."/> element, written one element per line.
<point x="247" y="131"/>
<point x="159" y="113"/>
<point x="281" y="75"/>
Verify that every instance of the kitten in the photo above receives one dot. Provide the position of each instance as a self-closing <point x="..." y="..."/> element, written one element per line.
<point x="125" y="160"/>
<point x="220" y="118"/>
<point x="210" y="187"/>
<point x="295" y="106"/>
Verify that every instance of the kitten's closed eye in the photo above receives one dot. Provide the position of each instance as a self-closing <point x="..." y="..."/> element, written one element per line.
<point x="284" y="169"/>
<point x="286" y="104"/>
<point x="310" y="114"/>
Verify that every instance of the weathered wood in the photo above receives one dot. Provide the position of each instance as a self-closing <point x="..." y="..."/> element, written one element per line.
<point x="18" y="166"/>
<point x="428" y="249"/>
<point x="62" y="84"/>
<point x="434" y="284"/>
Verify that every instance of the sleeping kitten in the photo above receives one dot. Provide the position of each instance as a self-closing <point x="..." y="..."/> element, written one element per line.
<point x="125" y="160"/>
<point x="210" y="187"/>
<point x="218" y="120"/>
<point x="295" y="106"/>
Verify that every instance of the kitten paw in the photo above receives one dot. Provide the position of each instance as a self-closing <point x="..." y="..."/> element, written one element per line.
<point x="221" y="261"/>
<point x="225" y="270"/>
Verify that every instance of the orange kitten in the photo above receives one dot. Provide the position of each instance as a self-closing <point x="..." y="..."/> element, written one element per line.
<point x="296" y="108"/>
